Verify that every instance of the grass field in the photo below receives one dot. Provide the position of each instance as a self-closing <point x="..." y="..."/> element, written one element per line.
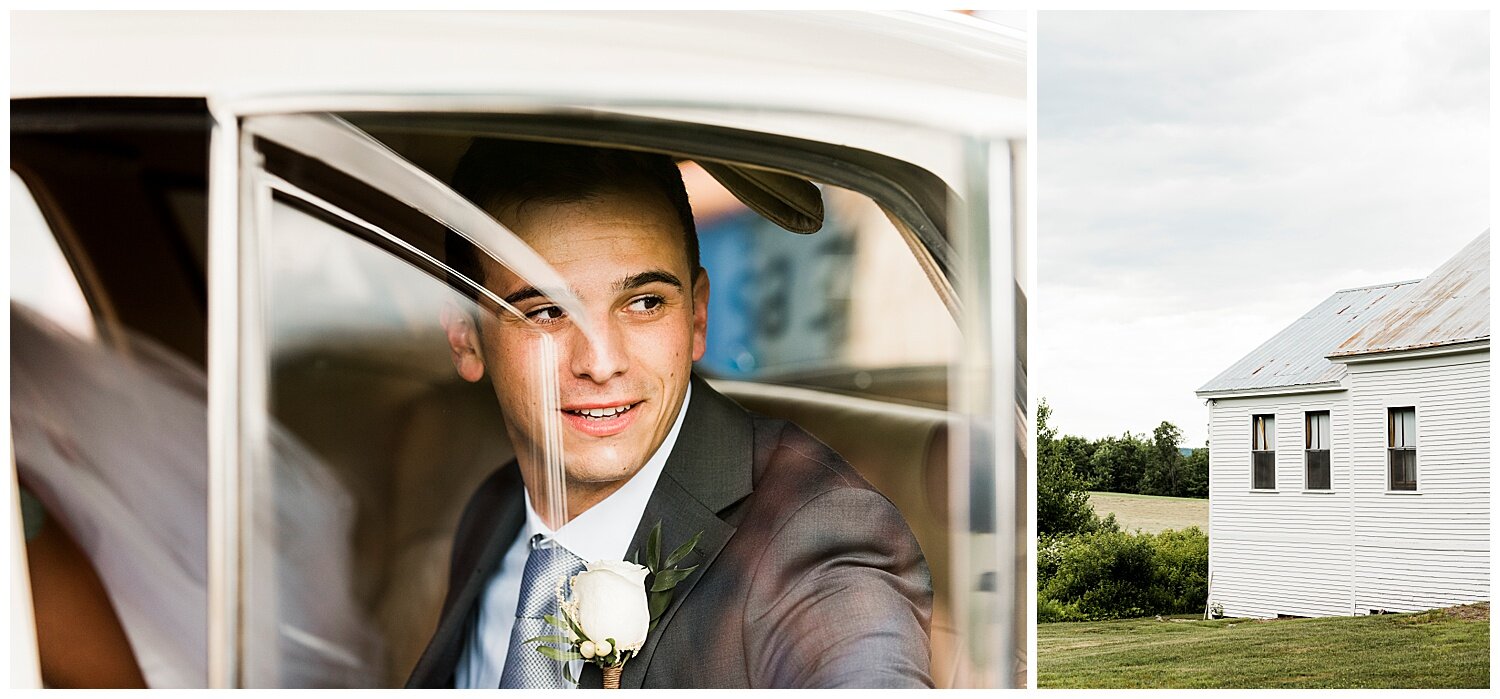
<point x="1151" y="513"/>
<point x="1441" y="648"/>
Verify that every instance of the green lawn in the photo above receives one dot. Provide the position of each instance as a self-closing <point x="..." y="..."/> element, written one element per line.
<point x="1440" y="648"/>
<point x="1151" y="513"/>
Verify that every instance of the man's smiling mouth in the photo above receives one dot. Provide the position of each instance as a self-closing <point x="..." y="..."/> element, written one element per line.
<point x="601" y="413"/>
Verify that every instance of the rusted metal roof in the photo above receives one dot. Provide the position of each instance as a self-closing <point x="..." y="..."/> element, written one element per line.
<point x="1450" y="307"/>
<point x="1297" y="356"/>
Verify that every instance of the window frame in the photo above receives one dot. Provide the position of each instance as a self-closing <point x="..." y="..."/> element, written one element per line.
<point x="981" y="525"/>
<point x="1260" y="438"/>
<point x="1391" y="412"/>
<point x="1325" y="438"/>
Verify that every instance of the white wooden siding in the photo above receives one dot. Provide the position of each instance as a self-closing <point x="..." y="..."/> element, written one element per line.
<point x="1357" y="547"/>
<point x="1412" y="579"/>
<point x="1265" y="578"/>
<point x="1285" y="551"/>
<point x="1428" y="548"/>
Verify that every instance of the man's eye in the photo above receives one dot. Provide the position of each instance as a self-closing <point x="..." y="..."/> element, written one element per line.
<point x="646" y="304"/>
<point x="545" y="314"/>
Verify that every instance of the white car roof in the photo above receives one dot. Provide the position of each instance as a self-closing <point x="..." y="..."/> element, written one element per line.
<point x="942" y="70"/>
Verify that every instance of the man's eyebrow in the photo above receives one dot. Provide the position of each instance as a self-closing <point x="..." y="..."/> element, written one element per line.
<point x="529" y="292"/>
<point x="636" y="281"/>
<point x="633" y="281"/>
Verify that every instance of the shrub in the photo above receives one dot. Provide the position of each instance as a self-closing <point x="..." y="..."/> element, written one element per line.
<point x="1049" y="610"/>
<point x="1112" y="574"/>
<point x="1182" y="569"/>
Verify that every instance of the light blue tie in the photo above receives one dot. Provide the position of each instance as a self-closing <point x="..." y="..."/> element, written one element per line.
<point x="548" y="568"/>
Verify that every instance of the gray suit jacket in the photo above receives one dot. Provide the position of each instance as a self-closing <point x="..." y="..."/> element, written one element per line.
<point x="807" y="576"/>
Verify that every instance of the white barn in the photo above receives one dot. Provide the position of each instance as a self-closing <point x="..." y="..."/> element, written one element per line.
<point x="1349" y="469"/>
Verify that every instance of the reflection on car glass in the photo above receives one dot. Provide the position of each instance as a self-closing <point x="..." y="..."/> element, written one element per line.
<point x="792" y="308"/>
<point x="40" y="275"/>
<point x="116" y="449"/>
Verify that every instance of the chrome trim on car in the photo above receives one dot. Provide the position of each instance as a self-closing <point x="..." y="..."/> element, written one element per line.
<point x="224" y="202"/>
<point x="999" y="110"/>
<point x="983" y="486"/>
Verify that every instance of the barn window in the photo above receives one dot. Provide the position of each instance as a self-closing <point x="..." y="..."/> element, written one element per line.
<point x="1315" y="437"/>
<point x="1401" y="439"/>
<point x="1263" y="452"/>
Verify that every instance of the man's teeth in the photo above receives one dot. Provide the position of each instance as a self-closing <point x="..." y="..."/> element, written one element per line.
<point x="602" y="412"/>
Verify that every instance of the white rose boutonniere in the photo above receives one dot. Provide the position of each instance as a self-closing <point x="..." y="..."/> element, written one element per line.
<point x="609" y="602"/>
<point x="613" y="606"/>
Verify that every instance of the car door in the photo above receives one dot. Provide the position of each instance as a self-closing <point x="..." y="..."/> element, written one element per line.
<point x="342" y="448"/>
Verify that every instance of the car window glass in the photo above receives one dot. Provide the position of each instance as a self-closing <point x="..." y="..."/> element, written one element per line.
<point x="376" y="437"/>
<point x="114" y="445"/>
<point x="841" y="332"/>
<point x="109" y="415"/>
<point x="847" y="308"/>
<point x="40" y="276"/>
<point x="382" y="446"/>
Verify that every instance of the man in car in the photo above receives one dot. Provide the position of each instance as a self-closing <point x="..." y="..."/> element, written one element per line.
<point x="806" y="576"/>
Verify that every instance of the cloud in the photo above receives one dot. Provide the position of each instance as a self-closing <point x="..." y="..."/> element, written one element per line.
<point x="1204" y="178"/>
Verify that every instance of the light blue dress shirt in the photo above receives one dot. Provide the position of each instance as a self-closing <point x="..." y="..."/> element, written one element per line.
<point x="594" y="535"/>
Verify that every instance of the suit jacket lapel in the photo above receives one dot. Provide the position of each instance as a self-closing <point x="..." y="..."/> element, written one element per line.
<point x="708" y="470"/>
<point x="499" y="521"/>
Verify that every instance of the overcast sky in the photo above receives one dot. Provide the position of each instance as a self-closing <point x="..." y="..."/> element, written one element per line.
<point x="1207" y="178"/>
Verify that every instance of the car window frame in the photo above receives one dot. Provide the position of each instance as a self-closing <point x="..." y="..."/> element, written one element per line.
<point x="986" y="387"/>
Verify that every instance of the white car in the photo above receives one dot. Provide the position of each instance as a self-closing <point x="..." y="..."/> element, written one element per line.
<point x="229" y="384"/>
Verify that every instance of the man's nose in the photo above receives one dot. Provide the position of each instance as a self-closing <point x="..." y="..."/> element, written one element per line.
<point x="602" y="358"/>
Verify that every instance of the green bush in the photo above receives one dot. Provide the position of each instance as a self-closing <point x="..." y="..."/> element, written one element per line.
<point x="1182" y="569"/>
<point x="1114" y="575"/>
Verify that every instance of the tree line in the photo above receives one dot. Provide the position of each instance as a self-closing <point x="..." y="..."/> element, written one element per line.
<point x="1088" y="567"/>
<point x="1068" y="465"/>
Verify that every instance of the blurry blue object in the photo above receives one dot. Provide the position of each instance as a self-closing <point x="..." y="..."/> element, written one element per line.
<point x="726" y="249"/>
<point x="778" y="301"/>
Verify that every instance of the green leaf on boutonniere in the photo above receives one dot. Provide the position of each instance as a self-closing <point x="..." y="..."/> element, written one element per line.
<point x="663" y="574"/>
<point x="683" y="550"/>
<point x="555" y="638"/>
<point x="573" y="625"/>
<point x="558" y="654"/>
<point x="668" y="579"/>
<point x="566" y="623"/>
<point x="657" y="603"/>
<point x="653" y="548"/>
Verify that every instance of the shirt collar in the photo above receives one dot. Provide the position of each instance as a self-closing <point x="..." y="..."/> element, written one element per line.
<point x="599" y="533"/>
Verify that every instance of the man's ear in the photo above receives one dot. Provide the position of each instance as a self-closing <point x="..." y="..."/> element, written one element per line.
<point x="463" y="340"/>
<point x="700" y="313"/>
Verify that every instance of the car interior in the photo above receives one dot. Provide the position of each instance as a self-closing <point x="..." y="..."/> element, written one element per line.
<point x="122" y="183"/>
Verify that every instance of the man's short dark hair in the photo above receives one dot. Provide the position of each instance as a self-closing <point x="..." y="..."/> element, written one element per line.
<point x="497" y="174"/>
